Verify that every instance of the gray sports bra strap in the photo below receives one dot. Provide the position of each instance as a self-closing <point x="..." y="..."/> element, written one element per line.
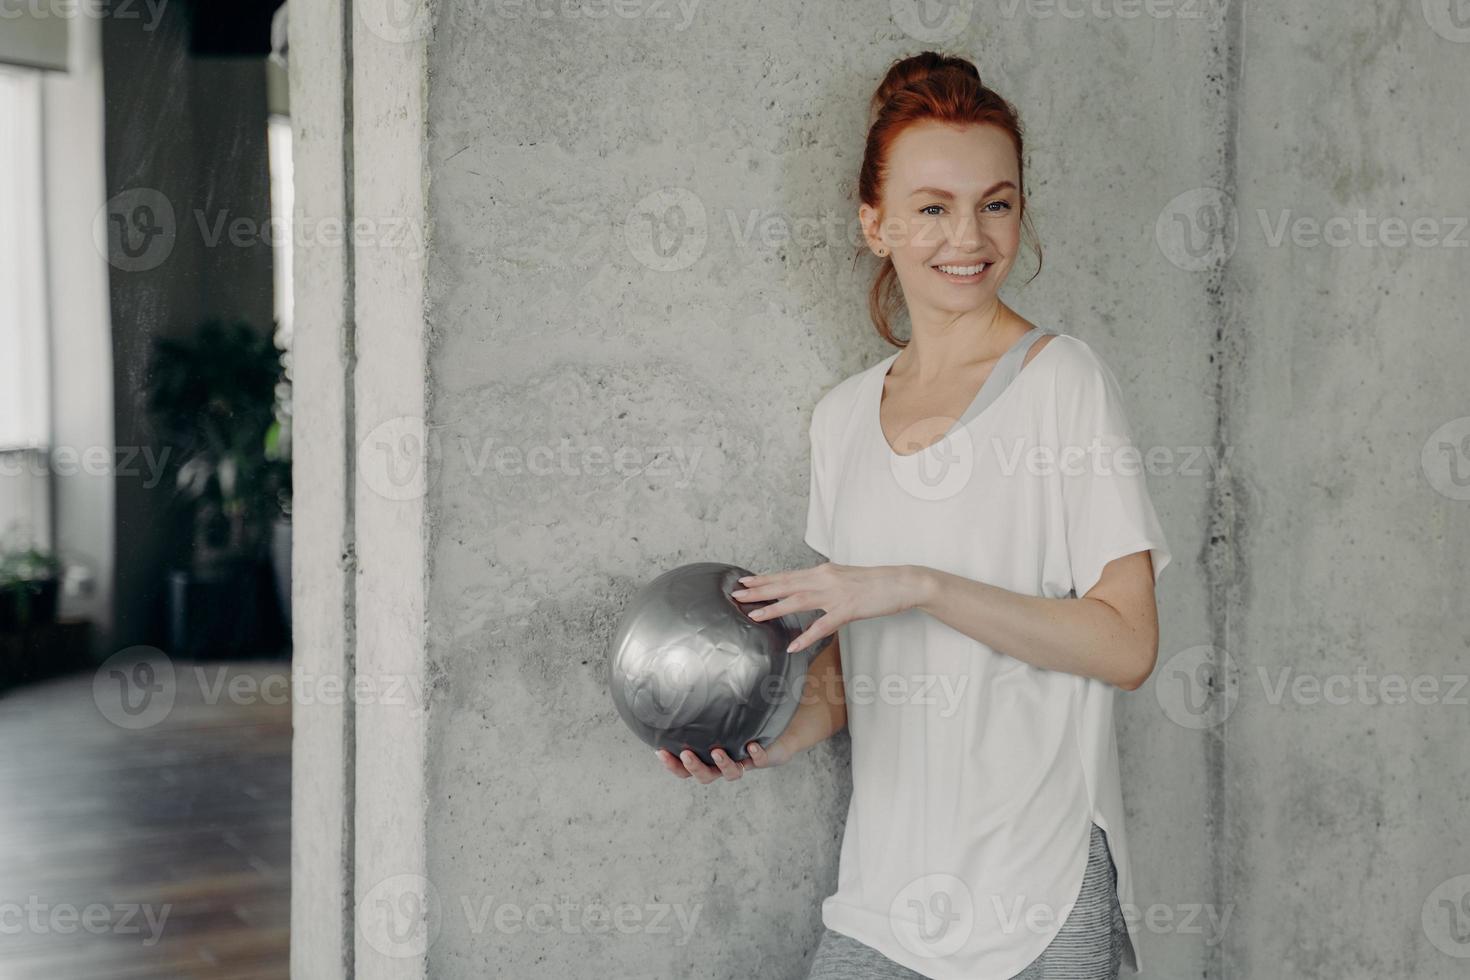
<point x="1004" y="372"/>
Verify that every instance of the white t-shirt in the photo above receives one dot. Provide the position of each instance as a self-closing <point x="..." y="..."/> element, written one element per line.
<point x="976" y="776"/>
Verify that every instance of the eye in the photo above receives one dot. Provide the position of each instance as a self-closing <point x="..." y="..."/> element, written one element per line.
<point x="1005" y="205"/>
<point x="926" y="210"/>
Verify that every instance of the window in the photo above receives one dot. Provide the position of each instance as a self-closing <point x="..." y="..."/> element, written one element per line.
<point x="282" y="222"/>
<point x="24" y="416"/>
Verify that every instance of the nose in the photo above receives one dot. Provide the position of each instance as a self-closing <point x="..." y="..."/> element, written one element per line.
<point x="965" y="233"/>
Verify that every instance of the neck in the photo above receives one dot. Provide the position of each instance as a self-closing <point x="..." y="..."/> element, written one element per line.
<point x="944" y="342"/>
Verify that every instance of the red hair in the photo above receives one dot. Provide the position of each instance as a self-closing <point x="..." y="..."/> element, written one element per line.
<point x="941" y="88"/>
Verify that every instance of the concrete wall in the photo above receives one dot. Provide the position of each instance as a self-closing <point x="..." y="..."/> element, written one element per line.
<point x="1345" y="843"/>
<point x="586" y="185"/>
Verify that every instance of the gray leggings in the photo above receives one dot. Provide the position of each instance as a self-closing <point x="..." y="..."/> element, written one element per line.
<point x="1089" y="945"/>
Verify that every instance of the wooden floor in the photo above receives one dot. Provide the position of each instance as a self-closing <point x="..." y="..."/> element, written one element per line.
<point x="158" y="852"/>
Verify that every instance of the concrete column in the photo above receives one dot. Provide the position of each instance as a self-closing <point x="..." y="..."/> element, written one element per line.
<point x="324" y="565"/>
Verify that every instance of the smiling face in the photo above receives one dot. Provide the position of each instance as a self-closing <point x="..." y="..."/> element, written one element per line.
<point x="950" y="199"/>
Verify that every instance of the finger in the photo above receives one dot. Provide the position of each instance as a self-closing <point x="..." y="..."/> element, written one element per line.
<point x="759" y="587"/>
<point x="728" y="766"/>
<point x="672" y="764"/>
<point x="824" y="626"/>
<point x="757" y="753"/>
<point x="794" y="603"/>
<point x="697" y="768"/>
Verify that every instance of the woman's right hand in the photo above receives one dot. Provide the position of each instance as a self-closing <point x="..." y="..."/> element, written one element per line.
<point x="687" y="764"/>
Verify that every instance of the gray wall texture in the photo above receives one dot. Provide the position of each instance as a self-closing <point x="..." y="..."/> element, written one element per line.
<point x="602" y="268"/>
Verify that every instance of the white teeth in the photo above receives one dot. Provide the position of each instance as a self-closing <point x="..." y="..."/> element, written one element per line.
<point x="962" y="270"/>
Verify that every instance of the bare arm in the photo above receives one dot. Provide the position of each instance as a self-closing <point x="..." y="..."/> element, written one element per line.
<point x="823" y="708"/>
<point x="1112" y="633"/>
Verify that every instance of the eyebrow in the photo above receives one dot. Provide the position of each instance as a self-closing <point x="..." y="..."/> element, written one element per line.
<point x="940" y="192"/>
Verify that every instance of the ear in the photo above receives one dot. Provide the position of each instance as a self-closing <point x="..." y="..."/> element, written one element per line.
<point x="869" y="218"/>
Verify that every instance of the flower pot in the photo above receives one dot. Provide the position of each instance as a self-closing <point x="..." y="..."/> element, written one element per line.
<point x="24" y="605"/>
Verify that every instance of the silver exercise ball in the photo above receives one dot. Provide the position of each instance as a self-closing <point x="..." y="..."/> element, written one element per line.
<point x="689" y="669"/>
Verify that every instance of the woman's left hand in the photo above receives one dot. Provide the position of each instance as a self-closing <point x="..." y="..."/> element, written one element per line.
<point x="843" y="592"/>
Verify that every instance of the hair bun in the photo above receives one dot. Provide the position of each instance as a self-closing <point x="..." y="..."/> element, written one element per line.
<point x="915" y="69"/>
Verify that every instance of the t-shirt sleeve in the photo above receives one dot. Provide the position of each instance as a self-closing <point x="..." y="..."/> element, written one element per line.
<point x="1107" y="511"/>
<point x="819" y="500"/>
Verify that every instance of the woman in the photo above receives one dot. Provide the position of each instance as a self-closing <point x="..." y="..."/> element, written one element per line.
<point x="994" y="554"/>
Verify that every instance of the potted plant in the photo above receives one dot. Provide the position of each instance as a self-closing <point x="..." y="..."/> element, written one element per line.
<point x="30" y="580"/>
<point x="212" y="399"/>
